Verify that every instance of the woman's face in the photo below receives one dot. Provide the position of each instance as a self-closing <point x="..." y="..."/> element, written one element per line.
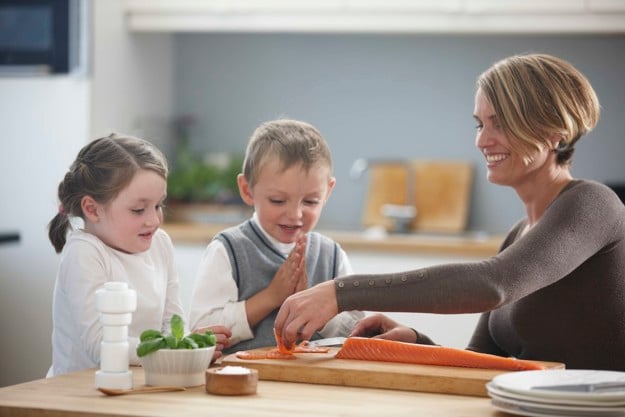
<point x="505" y="165"/>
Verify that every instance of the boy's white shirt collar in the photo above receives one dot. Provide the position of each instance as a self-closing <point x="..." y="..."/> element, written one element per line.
<point x="284" y="248"/>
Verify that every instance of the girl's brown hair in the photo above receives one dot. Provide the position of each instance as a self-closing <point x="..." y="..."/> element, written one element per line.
<point x="101" y="170"/>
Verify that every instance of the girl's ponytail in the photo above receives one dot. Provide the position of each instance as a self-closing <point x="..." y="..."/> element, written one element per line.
<point x="57" y="230"/>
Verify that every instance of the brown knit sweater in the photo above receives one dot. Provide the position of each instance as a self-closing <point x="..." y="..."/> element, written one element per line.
<point x="555" y="294"/>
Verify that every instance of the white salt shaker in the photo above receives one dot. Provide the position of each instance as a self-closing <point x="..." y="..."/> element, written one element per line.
<point x="115" y="302"/>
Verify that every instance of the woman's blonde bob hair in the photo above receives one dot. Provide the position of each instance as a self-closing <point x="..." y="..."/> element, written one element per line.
<point x="537" y="97"/>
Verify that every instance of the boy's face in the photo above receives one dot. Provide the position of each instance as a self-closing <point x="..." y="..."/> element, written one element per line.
<point x="288" y="202"/>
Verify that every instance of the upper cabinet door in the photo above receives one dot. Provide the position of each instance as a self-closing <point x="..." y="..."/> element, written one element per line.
<point x="378" y="16"/>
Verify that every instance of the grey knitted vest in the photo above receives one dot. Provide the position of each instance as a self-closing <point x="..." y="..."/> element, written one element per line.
<point x="255" y="261"/>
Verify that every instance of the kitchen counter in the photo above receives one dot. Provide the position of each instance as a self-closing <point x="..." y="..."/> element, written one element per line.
<point x="474" y="245"/>
<point x="74" y="394"/>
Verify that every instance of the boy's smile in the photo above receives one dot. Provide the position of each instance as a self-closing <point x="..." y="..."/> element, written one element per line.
<point x="288" y="202"/>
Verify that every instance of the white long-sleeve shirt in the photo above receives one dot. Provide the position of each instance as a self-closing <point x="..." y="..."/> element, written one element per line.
<point x="215" y="293"/>
<point x="86" y="264"/>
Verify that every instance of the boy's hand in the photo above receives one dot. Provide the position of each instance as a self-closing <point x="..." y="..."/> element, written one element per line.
<point x="291" y="275"/>
<point x="302" y="282"/>
<point x="301" y="275"/>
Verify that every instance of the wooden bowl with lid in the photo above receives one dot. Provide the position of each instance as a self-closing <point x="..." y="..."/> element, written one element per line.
<point x="231" y="380"/>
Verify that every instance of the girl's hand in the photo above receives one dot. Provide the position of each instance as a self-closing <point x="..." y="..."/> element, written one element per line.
<point x="223" y="335"/>
<point x="380" y="326"/>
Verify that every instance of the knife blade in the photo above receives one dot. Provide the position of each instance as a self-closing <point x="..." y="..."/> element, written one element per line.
<point x="593" y="387"/>
<point x="327" y="342"/>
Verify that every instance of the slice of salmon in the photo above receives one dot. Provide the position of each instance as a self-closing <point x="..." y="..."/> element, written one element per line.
<point x="275" y="353"/>
<point x="282" y="347"/>
<point x="362" y="348"/>
<point x="249" y="355"/>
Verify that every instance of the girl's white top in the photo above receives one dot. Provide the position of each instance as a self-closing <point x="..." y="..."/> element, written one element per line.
<point x="86" y="264"/>
<point x="215" y="293"/>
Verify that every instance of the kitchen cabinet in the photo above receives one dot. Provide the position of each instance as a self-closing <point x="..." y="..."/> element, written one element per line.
<point x="377" y="16"/>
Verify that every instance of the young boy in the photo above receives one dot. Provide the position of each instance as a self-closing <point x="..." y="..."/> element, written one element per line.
<point x="247" y="271"/>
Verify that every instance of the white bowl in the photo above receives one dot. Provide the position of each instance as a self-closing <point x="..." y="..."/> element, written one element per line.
<point x="181" y="367"/>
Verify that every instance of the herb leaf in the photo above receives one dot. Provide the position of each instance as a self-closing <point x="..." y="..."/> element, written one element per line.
<point x="150" y="346"/>
<point x="177" y="327"/>
<point x="150" y="334"/>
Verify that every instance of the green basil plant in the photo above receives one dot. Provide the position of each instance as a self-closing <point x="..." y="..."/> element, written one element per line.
<point x="152" y="340"/>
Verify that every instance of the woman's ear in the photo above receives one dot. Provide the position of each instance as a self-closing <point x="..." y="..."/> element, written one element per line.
<point x="555" y="140"/>
<point x="245" y="190"/>
<point x="90" y="209"/>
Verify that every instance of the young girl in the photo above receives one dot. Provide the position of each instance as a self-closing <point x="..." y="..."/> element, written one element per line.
<point x="117" y="186"/>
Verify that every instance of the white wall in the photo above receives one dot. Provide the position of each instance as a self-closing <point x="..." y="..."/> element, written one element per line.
<point x="132" y="78"/>
<point x="44" y="122"/>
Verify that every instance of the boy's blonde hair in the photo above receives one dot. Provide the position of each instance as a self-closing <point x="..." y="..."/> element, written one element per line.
<point x="290" y="141"/>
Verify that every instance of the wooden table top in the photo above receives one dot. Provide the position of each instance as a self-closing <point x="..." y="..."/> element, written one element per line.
<point x="75" y="395"/>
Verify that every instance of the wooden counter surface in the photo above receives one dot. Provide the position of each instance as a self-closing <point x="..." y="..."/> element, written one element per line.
<point x="460" y="245"/>
<point x="75" y="395"/>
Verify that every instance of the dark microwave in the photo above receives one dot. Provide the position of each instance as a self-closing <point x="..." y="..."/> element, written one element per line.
<point x="39" y="35"/>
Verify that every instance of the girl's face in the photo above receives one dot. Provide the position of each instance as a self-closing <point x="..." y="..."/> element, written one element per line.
<point x="288" y="203"/>
<point x="129" y="221"/>
<point x="505" y="165"/>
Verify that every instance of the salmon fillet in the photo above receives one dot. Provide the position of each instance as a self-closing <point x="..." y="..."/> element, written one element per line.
<point x="368" y="349"/>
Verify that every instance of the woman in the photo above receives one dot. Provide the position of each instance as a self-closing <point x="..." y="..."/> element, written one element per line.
<point x="556" y="290"/>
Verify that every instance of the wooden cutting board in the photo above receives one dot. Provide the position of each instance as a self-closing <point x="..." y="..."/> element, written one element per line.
<point x="315" y="368"/>
<point x="439" y="190"/>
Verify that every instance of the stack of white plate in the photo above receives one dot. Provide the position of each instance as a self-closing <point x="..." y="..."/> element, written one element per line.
<point x="517" y="393"/>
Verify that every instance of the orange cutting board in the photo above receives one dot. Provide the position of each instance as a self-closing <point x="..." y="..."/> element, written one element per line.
<point x="323" y="368"/>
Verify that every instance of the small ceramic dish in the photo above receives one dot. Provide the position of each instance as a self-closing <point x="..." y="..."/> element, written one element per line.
<point x="231" y="380"/>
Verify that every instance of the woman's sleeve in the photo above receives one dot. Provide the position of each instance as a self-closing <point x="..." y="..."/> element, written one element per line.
<point x="343" y="323"/>
<point x="576" y="226"/>
<point x="215" y="295"/>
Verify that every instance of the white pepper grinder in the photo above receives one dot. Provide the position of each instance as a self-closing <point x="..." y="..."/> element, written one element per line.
<point x="115" y="302"/>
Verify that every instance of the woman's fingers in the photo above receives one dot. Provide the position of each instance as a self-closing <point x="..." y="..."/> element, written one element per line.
<point x="305" y="312"/>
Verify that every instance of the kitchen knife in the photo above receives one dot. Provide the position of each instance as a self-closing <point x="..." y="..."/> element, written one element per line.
<point x="594" y="387"/>
<point x="328" y="342"/>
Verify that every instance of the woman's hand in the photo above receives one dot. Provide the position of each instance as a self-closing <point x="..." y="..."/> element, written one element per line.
<point x="380" y="326"/>
<point x="223" y="335"/>
<point x="305" y="312"/>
